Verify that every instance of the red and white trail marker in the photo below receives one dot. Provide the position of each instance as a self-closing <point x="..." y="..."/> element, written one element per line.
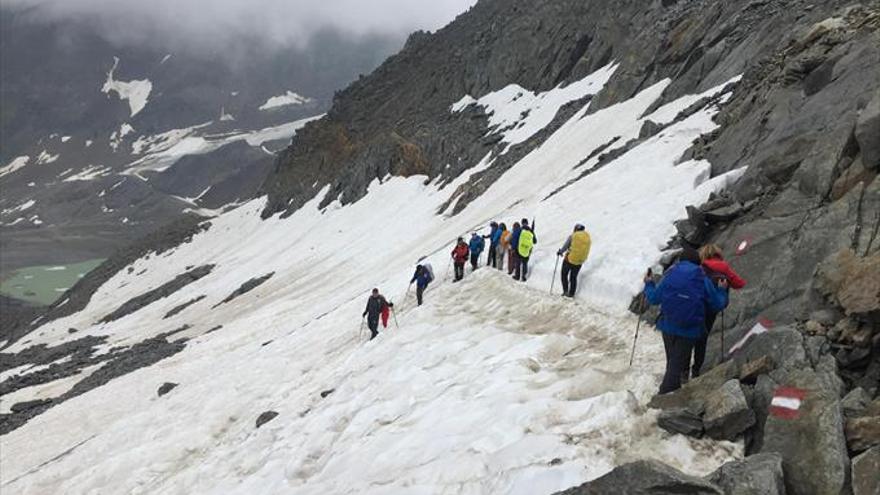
<point x="743" y="246"/>
<point x="787" y="401"/>
<point x="762" y="326"/>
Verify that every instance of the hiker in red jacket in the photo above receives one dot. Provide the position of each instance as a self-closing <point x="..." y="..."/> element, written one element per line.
<point x="716" y="269"/>
<point x="459" y="258"/>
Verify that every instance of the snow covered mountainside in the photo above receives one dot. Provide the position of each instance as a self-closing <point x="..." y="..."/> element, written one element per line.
<point x="229" y="355"/>
<point x="106" y="142"/>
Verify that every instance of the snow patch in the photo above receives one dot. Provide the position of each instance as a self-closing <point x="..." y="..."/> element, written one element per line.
<point x="90" y="173"/>
<point x="65" y="139"/>
<point x="46" y="157"/>
<point x="16" y="164"/>
<point x="287" y="99"/>
<point x="518" y="114"/>
<point x="136" y="92"/>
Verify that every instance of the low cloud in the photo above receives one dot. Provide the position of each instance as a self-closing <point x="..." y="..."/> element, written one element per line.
<point x="216" y="24"/>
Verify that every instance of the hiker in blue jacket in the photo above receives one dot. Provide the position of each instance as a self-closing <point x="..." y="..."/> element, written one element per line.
<point x="683" y="295"/>
<point x="423" y="276"/>
<point x="476" y="246"/>
<point x="514" y="247"/>
<point x="494" y="238"/>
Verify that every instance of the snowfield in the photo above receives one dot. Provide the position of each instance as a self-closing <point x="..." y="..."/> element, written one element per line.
<point x="287" y="99"/>
<point x="136" y="92"/>
<point x="492" y="386"/>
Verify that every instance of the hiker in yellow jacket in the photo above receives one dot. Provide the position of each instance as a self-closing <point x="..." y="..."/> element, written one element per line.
<point x="525" y="243"/>
<point x="576" y="250"/>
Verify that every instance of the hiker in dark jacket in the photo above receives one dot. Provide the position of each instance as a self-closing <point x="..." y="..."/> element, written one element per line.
<point x="459" y="258"/>
<point x="422" y="277"/>
<point x="494" y="237"/>
<point x="684" y="294"/>
<point x="374" y="309"/>
<point x="476" y="246"/>
<point x="513" y="259"/>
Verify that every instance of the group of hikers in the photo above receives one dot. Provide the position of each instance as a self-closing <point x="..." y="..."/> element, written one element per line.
<point x="691" y="293"/>
<point x="513" y="245"/>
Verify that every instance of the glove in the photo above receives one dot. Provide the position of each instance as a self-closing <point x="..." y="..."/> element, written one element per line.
<point x="364" y="315"/>
<point x="559" y="253"/>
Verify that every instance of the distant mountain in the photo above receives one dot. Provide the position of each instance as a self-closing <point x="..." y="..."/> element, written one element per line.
<point x="93" y="134"/>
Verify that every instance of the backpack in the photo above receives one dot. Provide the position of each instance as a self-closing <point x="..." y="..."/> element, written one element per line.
<point x="430" y="271"/>
<point x="579" y="249"/>
<point x="526" y="242"/>
<point x="682" y="301"/>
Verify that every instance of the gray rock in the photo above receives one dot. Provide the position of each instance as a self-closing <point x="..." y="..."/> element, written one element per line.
<point x="160" y="292"/>
<point x="816" y="346"/>
<point x="245" y="288"/>
<point x="645" y="478"/>
<point x="762" y="394"/>
<point x="827" y="317"/>
<point x="649" y="128"/>
<point x="868" y="132"/>
<point x="785" y="345"/>
<point x="863" y="432"/>
<point x="727" y="412"/>
<point x="693" y="394"/>
<point x="165" y="388"/>
<point x="865" y="469"/>
<point x="681" y="420"/>
<point x="760" y="474"/>
<point x="265" y="418"/>
<point x="812" y="445"/>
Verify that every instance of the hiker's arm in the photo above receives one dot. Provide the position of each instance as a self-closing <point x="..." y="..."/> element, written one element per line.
<point x="716" y="297"/>
<point x="565" y="247"/>
<point x="653" y="292"/>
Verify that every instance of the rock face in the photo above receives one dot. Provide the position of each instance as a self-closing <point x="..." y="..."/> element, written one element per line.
<point x="812" y="443"/>
<point x="644" y="478"/>
<point x="865" y="480"/>
<point x="759" y="474"/>
<point x="160" y="292"/>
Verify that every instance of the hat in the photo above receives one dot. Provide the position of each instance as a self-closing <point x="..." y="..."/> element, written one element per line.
<point x="689" y="254"/>
<point x="579" y="227"/>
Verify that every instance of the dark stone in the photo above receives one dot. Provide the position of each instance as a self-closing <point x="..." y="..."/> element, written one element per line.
<point x="165" y="388"/>
<point x="266" y="417"/>
<point x="865" y="469"/>
<point x="246" y="287"/>
<point x="72" y="330"/>
<point x="863" y="433"/>
<point x="868" y="132"/>
<point x="693" y="394"/>
<point x="160" y="292"/>
<point x="645" y="478"/>
<point x="760" y="474"/>
<point x="681" y="420"/>
<point x="649" y="129"/>
<point x="727" y="412"/>
<point x="21" y="407"/>
<point x="751" y="370"/>
<point x="325" y="393"/>
<point x="177" y="309"/>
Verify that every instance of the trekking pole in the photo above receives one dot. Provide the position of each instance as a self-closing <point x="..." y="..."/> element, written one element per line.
<point x="361" y="331"/>
<point x="394" y="313"/>
<point x="722" y="336"/>
<point x="448" y="265"/>
<point x="638" y="323"/>
<point x="553" y="280"/>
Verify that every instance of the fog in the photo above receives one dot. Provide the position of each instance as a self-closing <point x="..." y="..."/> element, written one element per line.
<point x="209" y="24"/>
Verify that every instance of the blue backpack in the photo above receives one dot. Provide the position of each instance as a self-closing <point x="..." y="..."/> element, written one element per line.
<point x="682" y="301"/>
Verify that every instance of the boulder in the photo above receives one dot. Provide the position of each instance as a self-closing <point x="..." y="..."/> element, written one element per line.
<point x="760" y="474"/>
<point x="693" y="394"/>
<point x="751" y="370"/>
<point x="865" y="469"/>
<point x="645" y="478"/>
<point x="852" y="282"/>
<point x="785" y="345"/>
<point x="762" y="395"/>
<point x="266" y="417"/>
<point x="165" y="388"/>
<point x="727" y="412"/>
<point x="863" y="433"/>
<point x="681" y="420"/>
<point x="868" y="132"/>
<point x="811" y="439"/>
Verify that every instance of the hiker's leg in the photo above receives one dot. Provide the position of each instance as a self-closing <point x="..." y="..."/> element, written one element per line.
<point x="373" y="323"/>
<point x="677" y="364"/>
<point x="566" y="267"/>
<point x="419" y="292"/>
<point x="573" y="279"/>
<point x="525" y="268"/>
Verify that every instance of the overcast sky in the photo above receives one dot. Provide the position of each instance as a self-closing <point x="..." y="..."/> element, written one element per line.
<point x="280" y="22"/>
